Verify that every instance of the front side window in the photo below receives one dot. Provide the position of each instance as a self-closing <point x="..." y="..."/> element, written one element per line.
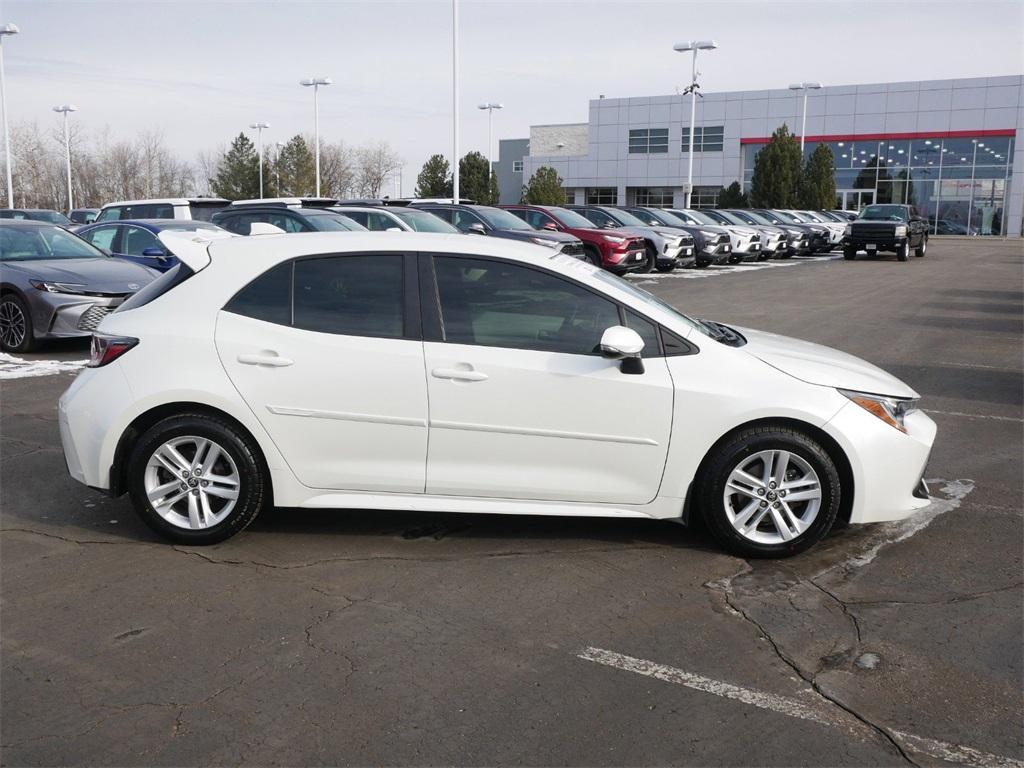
<point x="648" y="141"/>
<point x="110" y="214"/>
<point x="136" y="240"/>
<point x="102" y="237"/>
<point x="350" y="295"/>
<point x="463" y="219"/>
<point x="502" y="219"/>
<point x="537" y="219"/>
<point x="498" y="304"/>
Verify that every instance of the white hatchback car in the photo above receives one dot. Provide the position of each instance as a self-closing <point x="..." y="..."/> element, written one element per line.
<point x="445" y="373"/>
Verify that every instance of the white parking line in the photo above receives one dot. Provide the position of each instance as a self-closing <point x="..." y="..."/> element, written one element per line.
<point x="955" y="753"/>
<point x="17" y="368"/>
<point x="977" y="416"/>
<point x="731" y="269"/>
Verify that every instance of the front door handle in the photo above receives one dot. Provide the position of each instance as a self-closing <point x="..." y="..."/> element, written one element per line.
<point x="268" y="359"/>
<point x="458" y="374"/>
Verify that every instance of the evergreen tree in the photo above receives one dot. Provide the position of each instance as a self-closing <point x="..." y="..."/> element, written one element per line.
<point x="777" y="172"/>
<point x="296" y="168"/>
<point x="435" y="178"/>
<point x="544" y="188"/>
<point x="238" y="172"/>
<point x="476" y="181"/>
<point x="732" y="196"/>
<point x="818" y="183"/>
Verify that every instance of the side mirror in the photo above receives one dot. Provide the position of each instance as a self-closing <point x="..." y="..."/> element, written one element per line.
<point x="625" y="344"/>
<point x="550" y="225"/>
<point x="476" y="227"/>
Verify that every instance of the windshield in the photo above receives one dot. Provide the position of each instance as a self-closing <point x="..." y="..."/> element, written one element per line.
<point x="784" y="217"/>
<point x="625" y="219"/>
<point x="28" y="243"/>
<point x="648" y="299"/>
<point x="718" y="216"/>
<point x="755" y="218"/>
<point x="703" y="218"/>
<point x="569" y="218"/>
<point x="667" y="219"/>
<point x="501" y="219"/>
<point x="884" y="213"/>
<point x="327" y="222"/>
<point x="810" y="216"/>
<point x="422" y="221"/>
<point x="731" y="217"/>
<point x="826" y="216"/>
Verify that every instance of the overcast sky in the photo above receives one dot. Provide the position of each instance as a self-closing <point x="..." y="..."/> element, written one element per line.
<point x="202" y="71"/>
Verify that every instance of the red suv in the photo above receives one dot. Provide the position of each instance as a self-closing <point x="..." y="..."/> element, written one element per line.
<point x="612" y="249"/>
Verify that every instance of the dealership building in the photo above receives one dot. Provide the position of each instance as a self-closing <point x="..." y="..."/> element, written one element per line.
<point x="950" y="147"/>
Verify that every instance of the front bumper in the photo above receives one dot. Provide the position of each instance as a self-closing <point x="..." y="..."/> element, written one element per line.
<point x="67" y="315"/>
<point x="750" y="250"/>
<point x="872" y="244"/>
<point x="887" y="464"/>
<point x="621" y="262"/>
<point x="715" y="253"/>
<point x="677" y="256"/>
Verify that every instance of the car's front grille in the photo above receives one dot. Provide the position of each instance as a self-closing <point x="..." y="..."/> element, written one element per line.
<point x="755" y="238"/>
<point x="92" y="317"/>
<point x="865" y="229"/>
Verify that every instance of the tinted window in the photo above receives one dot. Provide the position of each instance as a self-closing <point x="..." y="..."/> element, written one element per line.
<point x="360" y="217"/>
<point x="422" y="221"/>
<point x="21" y="243"/>
<point x="332" y="222"/>
<point x="535" y="219"/>
<point x="600" y="218"/>
<point x="136" y="239"/>
<point x="268" y="297"/>
<point x="102" y="237"/>
<point x="150" y="211"/>
<point x="204" y="211"/>
<point x="648" y="332"/>
<point x="462" y="219"/>
<point x="351" y="295"/>
<point x="502" y="219"/>
<point x="283" y="221"/>
<point x="498" y="304"/>
<point x="110" y="214"/>
<point x="443" y="213"/>
<point x="238" y="224"/>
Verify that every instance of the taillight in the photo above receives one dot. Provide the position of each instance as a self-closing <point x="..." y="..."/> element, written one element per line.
<point x="106" y="349"/>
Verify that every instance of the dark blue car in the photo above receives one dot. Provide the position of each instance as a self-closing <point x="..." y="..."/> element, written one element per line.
<point x="136" y="239"/>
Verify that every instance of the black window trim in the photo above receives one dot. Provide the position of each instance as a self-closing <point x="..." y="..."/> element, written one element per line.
<point x="433" y="322"/>
<point x="412" y="324"/>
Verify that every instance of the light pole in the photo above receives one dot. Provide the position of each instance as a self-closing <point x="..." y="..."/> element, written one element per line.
<point x="490" y="107"/>
<point x="259" y="143"/>
<point x="805" y="87"/>
<point x="66" y="109"/>
<point x="455" y="101"/>
<point x="316" y="82"/>
<point x="277" y="166"/>
<point x="693" y="45"/>
<point x="5" y="30"/>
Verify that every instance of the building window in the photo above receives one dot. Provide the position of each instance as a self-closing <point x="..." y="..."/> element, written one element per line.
<point x="602" y="196"/>
<point x="707" y="139"/>
<point x="705" y="197"/>
<point x="652" y="197"/>
<point x="517" y="166"/>
<point x="648" y="141"/>
<point x="570" y="196"/>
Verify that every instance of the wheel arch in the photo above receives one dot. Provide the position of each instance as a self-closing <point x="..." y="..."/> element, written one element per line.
<point x="834" y="450"/>
<point x="146" y="419"/>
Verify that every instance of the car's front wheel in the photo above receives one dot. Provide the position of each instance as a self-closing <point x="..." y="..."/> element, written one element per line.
<point x="920" y="250"/>
<point x="197" y="479"/>
<point x="849" y="254"/>
<point x="592" y="255"/>
<point x="769" y="492"/>
<point x="15" y="325"/>
<point x="903" y="252"/>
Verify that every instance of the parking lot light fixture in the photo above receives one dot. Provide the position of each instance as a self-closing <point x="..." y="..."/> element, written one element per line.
<point x="490" y="107"/>
<point x="455" y="101"/>
<point x="315" y="83"/>
<point x="67" y="109"/>
<point x="5" y="30"/>
<point x="694" y="46"/>
<point x="277" y="164"/>
<point x="805" y="87"/>
<point x="259" y="144"/>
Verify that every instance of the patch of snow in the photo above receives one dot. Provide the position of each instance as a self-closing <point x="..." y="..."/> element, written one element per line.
<point x="12" y="367"/>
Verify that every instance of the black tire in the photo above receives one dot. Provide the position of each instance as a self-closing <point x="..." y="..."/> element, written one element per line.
<point x="665" y="267"/>
<point x="16" y="334"/>
<point x="849" y="254"/>
<point x="922" y="248"/>
<point x="254" y="484"/>
<point x="903" y="253"/>
<point x="729" y="453"/>
<point x="593" y="257"/>
<point x="652" y="259"/>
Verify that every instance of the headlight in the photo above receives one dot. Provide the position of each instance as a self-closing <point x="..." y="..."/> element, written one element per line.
<point x="545" y="241"/>
<point x="891" y="410"/>
<point x="614" y="239"/>
<point x="901" y="231"/>
<point x="57" y="287"/>
<point x="847" y="230"/>
<point x="795" y="232"/>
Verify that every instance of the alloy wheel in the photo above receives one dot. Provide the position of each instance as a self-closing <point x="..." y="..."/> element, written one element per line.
<point x="772" y="497"/>
<point x="192" y="482"/>
<point x="12" y="324"/>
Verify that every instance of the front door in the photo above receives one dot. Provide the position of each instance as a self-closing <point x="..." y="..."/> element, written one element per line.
<point x="855" y="199"/>
<point x="326" y="351"/>
<point x="522" y="404"/>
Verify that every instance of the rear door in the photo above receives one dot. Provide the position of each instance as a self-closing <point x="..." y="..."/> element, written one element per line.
<point x="522" y="404"/>
<point x="327" y="353"/>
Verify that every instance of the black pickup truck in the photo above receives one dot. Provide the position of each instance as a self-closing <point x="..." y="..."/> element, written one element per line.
<point x="893" y="228"/>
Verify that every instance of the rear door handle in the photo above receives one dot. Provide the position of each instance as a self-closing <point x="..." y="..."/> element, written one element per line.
<point x="268" y="359"/>
<point x="458" y="374"/>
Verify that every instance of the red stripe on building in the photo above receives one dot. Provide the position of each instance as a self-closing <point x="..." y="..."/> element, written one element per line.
<point x="897" y="136"/>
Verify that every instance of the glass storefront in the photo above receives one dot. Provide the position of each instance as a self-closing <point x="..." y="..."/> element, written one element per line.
<point x="959" y="184"/>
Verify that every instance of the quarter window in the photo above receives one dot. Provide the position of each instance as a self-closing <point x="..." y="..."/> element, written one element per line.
<point x="648" y="141"/>
<point x="498" y="304"/>
<point x="350" y="295"/>
<point x="705" y="139"/>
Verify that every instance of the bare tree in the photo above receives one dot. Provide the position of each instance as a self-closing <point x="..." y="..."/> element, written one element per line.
<point x="374" y="164"/>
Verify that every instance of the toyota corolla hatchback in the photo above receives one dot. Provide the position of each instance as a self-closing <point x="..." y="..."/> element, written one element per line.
<point x="444" y="373"/>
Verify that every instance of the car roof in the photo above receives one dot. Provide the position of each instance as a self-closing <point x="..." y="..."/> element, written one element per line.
<point x="171" y="201"/>
<point x="26" y="222"/>
<point x="154" y="225"/>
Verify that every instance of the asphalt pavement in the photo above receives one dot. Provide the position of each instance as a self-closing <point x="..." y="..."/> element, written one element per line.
<point x="365" y="637"/>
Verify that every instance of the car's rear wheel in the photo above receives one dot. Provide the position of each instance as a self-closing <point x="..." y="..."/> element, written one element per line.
<point x="849" y="254"/>
<point x="15" y="325"/>
<point x="903" y="252"/>
<point x="197" y="479"/>
<point x="922" y="248"/>
<point x="769" y="492"/>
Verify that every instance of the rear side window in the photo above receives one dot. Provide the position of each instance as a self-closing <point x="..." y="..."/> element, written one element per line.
<point x="205" y="211"/>
<point x="173" y="277"/>
<point x="350" y="295"/>
<point x="267" y="298"/>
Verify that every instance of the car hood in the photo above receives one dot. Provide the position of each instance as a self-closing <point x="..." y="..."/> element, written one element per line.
<point x="542" y="234"/>
<point x="817" y="364"/>
<point x="99" y="275"/>
<point x="741" y="231"/>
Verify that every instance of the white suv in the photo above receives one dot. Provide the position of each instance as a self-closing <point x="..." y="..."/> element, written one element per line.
<point x="431" y="372"/>
<point x="200" y="208"/>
